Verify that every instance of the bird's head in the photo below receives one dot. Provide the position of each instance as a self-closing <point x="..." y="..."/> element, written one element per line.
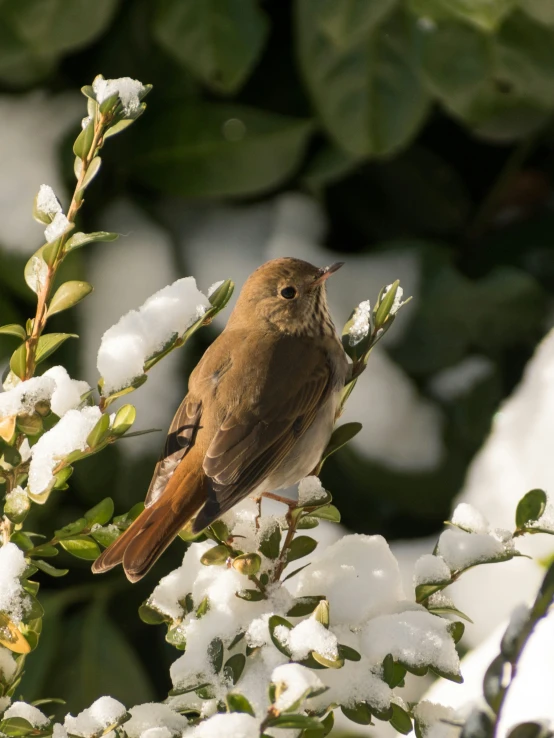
<point x="289" y="294"/>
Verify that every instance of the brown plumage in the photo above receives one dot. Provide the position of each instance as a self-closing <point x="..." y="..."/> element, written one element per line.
<point x="259" y="411"/>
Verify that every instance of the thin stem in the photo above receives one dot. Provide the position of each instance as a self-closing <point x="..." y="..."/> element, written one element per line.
<point x="39" y="321"/>
<point x="291" y="532"/>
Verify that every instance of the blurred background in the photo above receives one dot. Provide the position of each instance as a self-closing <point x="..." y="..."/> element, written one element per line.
<point x="411" y="139"/>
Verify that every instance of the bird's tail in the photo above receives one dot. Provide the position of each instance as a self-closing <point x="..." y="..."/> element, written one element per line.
<point x="144" y="541"/>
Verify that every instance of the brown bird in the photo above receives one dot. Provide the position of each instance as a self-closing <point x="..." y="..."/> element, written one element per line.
<point x="258" y="414"/>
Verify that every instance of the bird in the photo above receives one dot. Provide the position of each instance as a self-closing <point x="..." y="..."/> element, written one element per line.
<point x="259" y="412"/>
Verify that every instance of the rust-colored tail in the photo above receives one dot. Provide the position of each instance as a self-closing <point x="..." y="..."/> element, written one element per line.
<point x="140" y="546"/>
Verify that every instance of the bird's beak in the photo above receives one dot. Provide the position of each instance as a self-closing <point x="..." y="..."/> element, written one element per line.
<point x="325" y="273"/>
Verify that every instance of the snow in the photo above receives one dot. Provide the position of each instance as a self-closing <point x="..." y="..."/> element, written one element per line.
<point x="457" y="381"/>
<point x="31" y="128"/>
<point x="100" y="715"/>
<point x="12" y="596"/>
<point x="58" y="731"/>
<point x="430" y="717"/>
<point x="22" y="399"/>
<point x="358" y="575"/>
<point x="57" y="228"/>
<point x="68" y="435"/>
<point x="309" y="635"/>
<point x="32" y="714"/>
<point x="311" y="491"/>
<point x="153" y="715"/>
<point x="37" y="275"/>
<point x="415" y="637"/>
<point x="530" y="694"/>
<point x="47" y="203"/>
<point x="129" y="91"/>
<point x="67" y="393"/>
<point x="430" y="569"/>
<point x="8" y="665"/>
<point x="470" y="519"/>
<point x="397" y="302"/>
<point x="142" y="333"/>
<point x="237" y="725"/>
<point x="361" y="323"/>
<point x="17" y="501"/>
<point x="294" y="682"/>
<point x="54" y="386"/>
<point x="515" y="458"/>
<point x="460" y="549"/>
<point x="215" y="286"/>
<point x="546" y="520"/>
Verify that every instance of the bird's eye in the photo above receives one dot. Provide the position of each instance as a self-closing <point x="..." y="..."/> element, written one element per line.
<point x="288" y="293"/>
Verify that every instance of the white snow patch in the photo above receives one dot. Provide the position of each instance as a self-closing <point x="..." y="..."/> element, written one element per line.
<point x="470" y="519"/>
<point x="104" y="712"/>
<point x="358" y="575"/>
<point x="32" y="714"/>
<point x="311" y="491"/>
<point x="142" y="333"/>
<point x="17" y="501"/>
<point x="57" y="228"/>
<point x="13" y="600"/>
<point x="430" y="569"/>
<point x="235" y="724"/>
<point x="8" y="664"/>
<point x="68" y="435"/>
<point x="309" y="635"/>
<point x="153" y="715"/>
<point x="294" y="683"/>
<point x="47" y="203"/>
<point x="129" y="91"/>
<point x="361" y="323"/>
<point x="460" y="549"/>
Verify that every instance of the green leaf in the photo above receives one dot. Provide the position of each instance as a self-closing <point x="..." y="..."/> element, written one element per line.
<point x="80" y="239"/>
<point x="349" y="654"/>
<point x="82" y="547"/>
<point x="296" y="722"/>
<point x="456" y="630"/>
<point x="530" y="730"/>
<point x="68" y="295"/>
<point x="250" y="595"/>
<point x="215" y="556"/>
<point x="45" y="551"/>
<point x="530" y="507"/>
<point x="504" y="88"/>
<point x="100" y="432"/>
<point x="540" y="10"/>
<point x="221" y="296"/>
<point x="232" y="671"/>
<point x="483" y="14"/>
<point x="360" y="713"/>
<point x="49" y="569"/>
<point x="360" y="75"/>
<point x="300" y="546"/>
<point x="50" y="342"/>
<point x="124" y="419"/>
<point x="83" y="142"/>
<point x="393" y="672"/>
<point x="219" y="530"/>
<point x="151" y="616"/>
<point x="340" y="437"/>
<point x="247" y="564"/>
<point x="215" y="654"/>
<point x="18" y="361"/>
<point x="101" y="513"/>
<point x="106" y="536"/>
<point x="273" y="622"/>
<point x="304" y="606"/>
<point x="71" y="529"/>
<point x="92" y="171"/>
<point x="327" y="512"/>
<point x="494" y="685"/>
<point x="216" y="150"/>
<point x="400" y="720"/>
<point x="239" y="703"/>
<point x="12" y="329"/>
<point x="219" y="41"/>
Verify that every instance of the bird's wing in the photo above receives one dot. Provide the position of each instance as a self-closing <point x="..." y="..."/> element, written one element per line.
<point x="252" y="441"/>
<point x="180" y="438"/>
